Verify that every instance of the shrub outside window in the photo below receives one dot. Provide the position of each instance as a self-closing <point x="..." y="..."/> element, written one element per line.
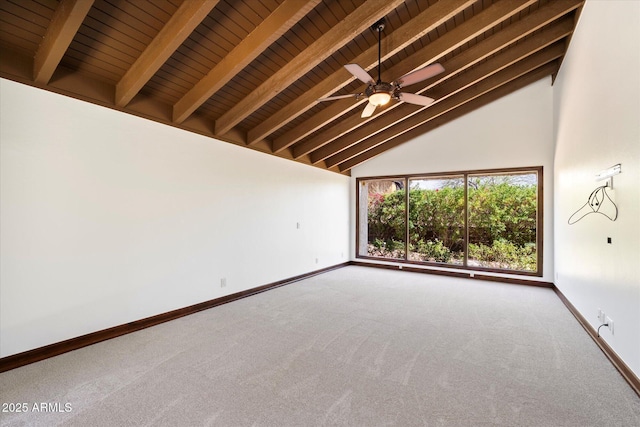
<point x="436" y="219"/>
<point x="476" y="220"/>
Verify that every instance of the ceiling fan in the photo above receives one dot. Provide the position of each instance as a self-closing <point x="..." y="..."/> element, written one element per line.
<point x="380" y="93"/>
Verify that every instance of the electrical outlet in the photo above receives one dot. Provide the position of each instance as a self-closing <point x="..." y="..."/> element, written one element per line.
<point x="316" y="260"/>
<point x="223" y="282"/>
<point x="601" y="316"/>
<point x="609" y="322"/>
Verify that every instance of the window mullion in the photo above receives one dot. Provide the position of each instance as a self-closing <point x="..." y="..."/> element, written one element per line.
<point x="465" y="242"/>
<point x="406" y="218"/>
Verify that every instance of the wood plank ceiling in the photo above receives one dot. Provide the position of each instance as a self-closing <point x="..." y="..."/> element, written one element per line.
<point x="250" y="72"/>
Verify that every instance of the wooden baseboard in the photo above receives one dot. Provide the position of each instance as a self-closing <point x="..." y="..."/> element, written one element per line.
<point x="41" y="353"/>
<point x="613" y="357"/>
<point x="16" y="360"/>
<point x="460" y="274"/>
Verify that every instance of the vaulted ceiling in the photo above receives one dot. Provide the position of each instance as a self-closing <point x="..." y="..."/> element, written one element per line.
<point x="250" y="72"/>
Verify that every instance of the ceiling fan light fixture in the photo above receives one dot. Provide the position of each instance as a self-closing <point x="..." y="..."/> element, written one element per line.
<point x="380" y="98"/>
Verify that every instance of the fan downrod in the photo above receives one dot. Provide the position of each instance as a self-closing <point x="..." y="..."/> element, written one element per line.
<point x="379" y="26"/>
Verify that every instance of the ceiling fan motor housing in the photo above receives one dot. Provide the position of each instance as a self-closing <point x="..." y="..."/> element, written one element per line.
<point x="378" y="88"/>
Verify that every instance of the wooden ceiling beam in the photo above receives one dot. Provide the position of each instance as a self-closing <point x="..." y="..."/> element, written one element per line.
<point x="342" y="33"/>
<point x="323" y="118"/>
<point x="285" y="16"/>
<point x="471" y="92"/>
<point x="484" y="21"/>
<point x="64" y="25"/>
<point x="576" y="18"/>
<point x="468" y="107"/>
<point x="394" y="42"/>
<point x="451" y="87"/>
<point x="188" y="16"/>
<point x="562" y="27"/>
<point x="555" y="16"/>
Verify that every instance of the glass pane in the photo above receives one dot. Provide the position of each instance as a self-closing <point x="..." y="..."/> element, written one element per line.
<point x="436" y="219"/>
<point x="382" y="224"/>
<point x="503" y="221"/>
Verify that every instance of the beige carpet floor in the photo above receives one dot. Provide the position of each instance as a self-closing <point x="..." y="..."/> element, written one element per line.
<point x="355" y="347"/>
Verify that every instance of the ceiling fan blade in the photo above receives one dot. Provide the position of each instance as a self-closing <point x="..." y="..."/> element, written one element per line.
<point x="360" y="73"/>
<point x="333" y="98"/>
<point x="420" y="75"/>
<point x="368" y="110"/>
<point x="412" y="98"/>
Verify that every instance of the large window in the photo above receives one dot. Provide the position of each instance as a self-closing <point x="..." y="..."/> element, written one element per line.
<point x="480" y="220"/>
<point x="384" y="233"/>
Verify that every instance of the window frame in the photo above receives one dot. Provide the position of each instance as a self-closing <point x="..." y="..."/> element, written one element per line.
<point x="502" y="171"/>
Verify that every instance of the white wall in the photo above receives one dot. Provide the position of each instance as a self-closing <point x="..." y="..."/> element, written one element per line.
<point x="597" y="124"/>
<point x="513" y="131"/>
<point x="107" y="218"/>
